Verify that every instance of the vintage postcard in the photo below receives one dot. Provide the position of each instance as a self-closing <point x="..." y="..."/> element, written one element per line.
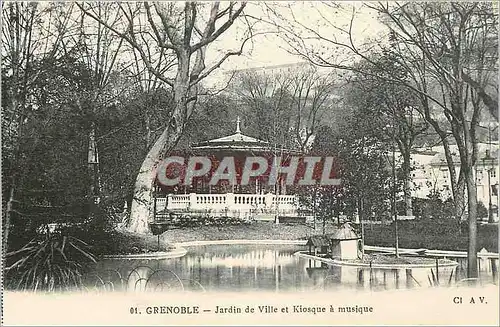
<point x="250" y="163"/>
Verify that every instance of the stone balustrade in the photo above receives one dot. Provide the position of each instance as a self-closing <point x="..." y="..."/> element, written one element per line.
<point x="230" y="204"/>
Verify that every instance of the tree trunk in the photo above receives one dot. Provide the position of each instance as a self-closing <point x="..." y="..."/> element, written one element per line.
<point x="467" y="164"/>
<point x="8" y="213"/>
<point x="140" y="212"/>
<point x="407" y="196"/>
<point x="459" y="201"/>
<point x="16" y="106"/>
<point x="407" y="182"/>
<point x="360" y="208"/>
<point x="457" y="184"/>
<point x="314" y="207"/>
<point x="472" y="271"/>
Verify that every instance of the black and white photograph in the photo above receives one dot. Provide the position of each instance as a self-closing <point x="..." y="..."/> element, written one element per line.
<point x="250" y="163"/>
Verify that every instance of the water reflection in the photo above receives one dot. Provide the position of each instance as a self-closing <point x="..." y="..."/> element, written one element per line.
<point x="246" y="267"/>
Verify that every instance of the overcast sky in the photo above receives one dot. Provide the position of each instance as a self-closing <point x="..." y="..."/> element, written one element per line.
<point x="270" y="49"/>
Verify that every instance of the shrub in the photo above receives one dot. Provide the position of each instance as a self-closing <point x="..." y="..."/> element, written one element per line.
<point x="433" y="208"/>
<point x="49" y="262"/>
<point x="431" y="234"/>
<point x="482" y="212"/>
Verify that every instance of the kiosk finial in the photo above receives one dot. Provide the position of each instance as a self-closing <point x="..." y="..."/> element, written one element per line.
<point x="238" y="125"/>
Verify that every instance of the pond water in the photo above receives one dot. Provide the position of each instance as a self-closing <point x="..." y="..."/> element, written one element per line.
<point x="261" y="267"/>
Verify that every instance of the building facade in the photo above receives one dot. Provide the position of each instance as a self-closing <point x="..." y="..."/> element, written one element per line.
<point x="431" y="174"/>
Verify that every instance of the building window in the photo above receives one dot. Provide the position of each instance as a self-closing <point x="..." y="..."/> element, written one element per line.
<point x="493" y="173"/>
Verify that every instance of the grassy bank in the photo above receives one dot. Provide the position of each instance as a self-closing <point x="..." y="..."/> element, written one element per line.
<point x="430" y="235"/>
<point x="412" y="234"/>
<point x="128" y="243"/>
<point x="393" y="260"/>
<point x="259" y="230"/>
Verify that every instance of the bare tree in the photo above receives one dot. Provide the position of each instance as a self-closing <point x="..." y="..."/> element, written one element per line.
<point x="396" y="106"/>
<point x="265" y="94"/>
<point x="438" y="43"/>
<point x="25" y="41"/>
<point x="299" y="97"/>
<point x="446" y="48"/>
<point x="313" y="95"/>
<point x="100" y="50"/>
<point x="184" y="31"/>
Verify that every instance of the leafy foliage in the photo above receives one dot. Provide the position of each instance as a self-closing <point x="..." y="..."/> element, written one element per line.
<point x="125" y="132"/>
<point x="363" y="167"/>
<point x="434" y="208"/>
